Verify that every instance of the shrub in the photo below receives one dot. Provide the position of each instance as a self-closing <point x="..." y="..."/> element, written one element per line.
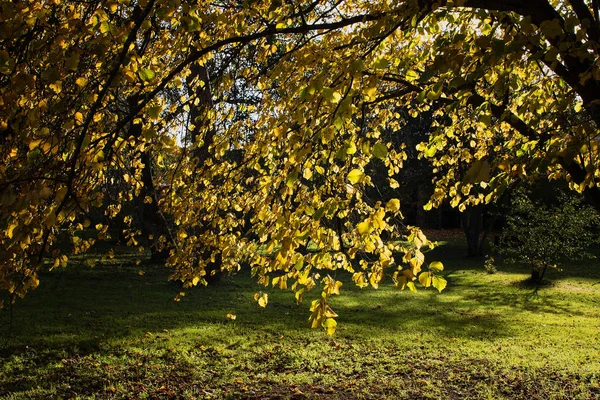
<point x="542" y="234"/>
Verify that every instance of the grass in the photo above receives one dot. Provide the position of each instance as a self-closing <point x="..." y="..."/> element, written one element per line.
<point x="107" y="332"/>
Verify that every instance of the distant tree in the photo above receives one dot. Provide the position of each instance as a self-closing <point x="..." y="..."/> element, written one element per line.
<point x="545" y="232"/>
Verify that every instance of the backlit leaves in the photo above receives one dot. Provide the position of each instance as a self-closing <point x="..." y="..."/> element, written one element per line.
<point x="380" y="151"/>
<point x="355" y="175"/>
<point x="250" y="131"/>
<point x="426" y="279"/>
<point x="436" y="266"/>
<point x="439" y="283"/>
<point x="261" y="298"/>
<point x="146" y="74"/>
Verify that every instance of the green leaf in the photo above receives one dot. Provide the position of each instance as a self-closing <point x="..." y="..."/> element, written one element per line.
<point x="319" y="213"/>
<point x="104" y="27"/>
<point x="381" y="63"/>
<point x="33" y="155"/>
<point x="436" y="266"/>
<point x="485" y="119"/>
<point x="380" y="151"/>
<point x="478" y="172"/>
<point x="332" y="95"/>
<point x="436" y="91"/>
<point x="342" y="153"/>
<point x="303" y="94"/>
<point x="412" y="75"/>
<point x="291" y="179"/>
<point x="439" y="283"/>
<point x="146" y="74"/>
<point x="154" y="111"/>
<point x="72" y="62"/>
<point x="355" y="175"/>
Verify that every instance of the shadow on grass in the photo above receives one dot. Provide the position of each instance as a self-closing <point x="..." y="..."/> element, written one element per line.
<point x="84" y="308"/>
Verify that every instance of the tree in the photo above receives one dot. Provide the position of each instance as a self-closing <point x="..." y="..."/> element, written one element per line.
<point x="514" y="88"/>
<point x="542" y="233"/>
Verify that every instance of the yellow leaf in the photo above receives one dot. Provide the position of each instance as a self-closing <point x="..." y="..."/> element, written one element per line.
<point x="99" y="157"/>
<point x="195" y="280"/>
<point x="350" y="148"/>
<point x="79" y="117"/>
<point x="307" y="173"/>
<point x="411" y="75"/>
<point x="329" y="313"/>
<point x="439" y="283"/>
<point x="9" y="231"/>
<point x="330" y="326"/>
<point x="104" y="27"/>
<point x="81" y="82"/>
<point x="364" y="227"/>
<point x="426" y="279"/>
<point x="50" y="219"/>
<point x="231" y="316"/>
<point x="34" y="143"/>
<point x="436" y="266"/>
<point x="393" y="205"/>
<point x="262" y="299"/>
<point x="371" y="93"/>
<point x="146" y="74"/>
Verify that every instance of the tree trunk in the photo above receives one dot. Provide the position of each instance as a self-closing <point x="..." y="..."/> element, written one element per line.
<point x="472" y="224"/>
<point x="153" y="223"/>
<point x="538" y="273"/>
<point x="200" y="118"/>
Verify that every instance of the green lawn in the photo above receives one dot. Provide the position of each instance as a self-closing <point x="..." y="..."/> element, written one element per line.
<point x="108" y="332"/>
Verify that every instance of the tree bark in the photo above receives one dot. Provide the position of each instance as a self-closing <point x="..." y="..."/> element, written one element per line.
<point x="472" y="224"/>
<point x="153" y="223"/>
<point x="202" y="133"/>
